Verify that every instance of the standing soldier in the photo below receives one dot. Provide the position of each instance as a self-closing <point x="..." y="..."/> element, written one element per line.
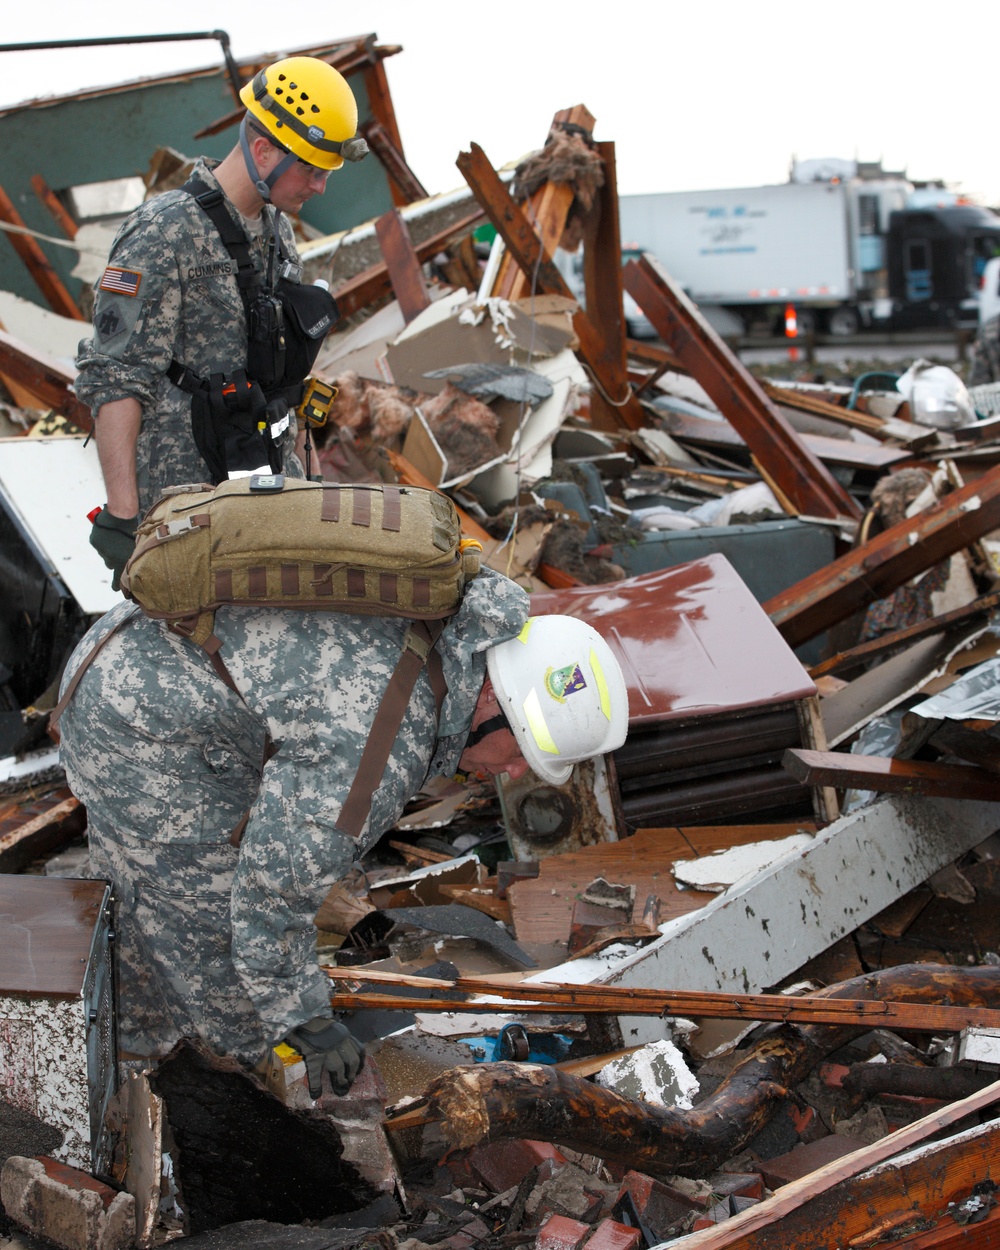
<point x="203" y="332"/>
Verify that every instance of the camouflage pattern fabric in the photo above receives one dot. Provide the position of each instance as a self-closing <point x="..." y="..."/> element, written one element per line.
<point x="985" y="366"/>
<point x="218" y="941"/>
<point x="185" y="306"/>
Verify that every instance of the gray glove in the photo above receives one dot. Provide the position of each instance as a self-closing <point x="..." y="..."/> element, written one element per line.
<point x="326" y="1045"/>
<point x="113" y="537"/>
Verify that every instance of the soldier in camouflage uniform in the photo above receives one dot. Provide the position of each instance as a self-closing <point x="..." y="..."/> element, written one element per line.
<point x="218" y="940"/>
<point x="985" y="366"/>
<point x="170" y="292"/>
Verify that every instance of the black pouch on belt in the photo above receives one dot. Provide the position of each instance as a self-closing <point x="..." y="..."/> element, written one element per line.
<point x="226" y="419"/>
<point x="310" y="315"/>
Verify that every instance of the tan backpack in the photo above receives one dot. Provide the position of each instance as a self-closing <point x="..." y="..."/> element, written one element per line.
<point x="377" y="550"/>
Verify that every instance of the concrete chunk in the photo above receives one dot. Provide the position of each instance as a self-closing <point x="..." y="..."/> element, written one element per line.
<point x="656" y="1074"/>
<point x="50" y="1199"/>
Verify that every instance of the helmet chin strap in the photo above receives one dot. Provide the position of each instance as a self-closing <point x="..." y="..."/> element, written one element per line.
<point x="262" y="185"/>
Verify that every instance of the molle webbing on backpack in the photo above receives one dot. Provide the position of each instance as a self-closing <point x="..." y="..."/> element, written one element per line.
<point x="375" y="550"/>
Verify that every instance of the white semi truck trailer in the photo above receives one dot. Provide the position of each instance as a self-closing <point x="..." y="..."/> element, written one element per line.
<point x="842" y="252"/>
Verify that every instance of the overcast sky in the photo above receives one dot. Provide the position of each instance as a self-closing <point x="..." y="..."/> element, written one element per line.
<point x="695" y="95"/>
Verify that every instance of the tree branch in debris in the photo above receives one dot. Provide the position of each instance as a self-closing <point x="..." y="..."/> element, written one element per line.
<point x="508" y="1100"/>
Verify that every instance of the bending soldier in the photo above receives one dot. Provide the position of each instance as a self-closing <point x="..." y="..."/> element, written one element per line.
<point x="217" y="939"/>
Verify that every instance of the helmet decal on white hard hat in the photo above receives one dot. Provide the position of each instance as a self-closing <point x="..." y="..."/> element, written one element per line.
<point x="563" y="692"/>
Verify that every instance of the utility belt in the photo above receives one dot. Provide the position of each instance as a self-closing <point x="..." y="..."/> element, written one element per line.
<point x="239" y="416"/>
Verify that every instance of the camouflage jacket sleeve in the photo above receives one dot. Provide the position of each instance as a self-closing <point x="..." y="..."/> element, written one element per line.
<point x="136" y="326"/>
<point x="494" y="609"/>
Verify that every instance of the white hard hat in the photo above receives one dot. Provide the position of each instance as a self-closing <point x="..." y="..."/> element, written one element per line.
<point x="563" y="693"/>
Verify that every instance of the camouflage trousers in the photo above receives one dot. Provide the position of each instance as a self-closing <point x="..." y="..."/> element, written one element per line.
<point x="175" y="971"/>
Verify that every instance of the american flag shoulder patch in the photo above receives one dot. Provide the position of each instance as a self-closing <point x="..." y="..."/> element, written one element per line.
<point x="121" y="281"/>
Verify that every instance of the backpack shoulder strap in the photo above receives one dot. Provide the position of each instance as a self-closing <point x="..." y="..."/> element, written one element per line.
<point x="212" y="202"/>
<point x="418" y="646"/>
<point x="61" y="706"/>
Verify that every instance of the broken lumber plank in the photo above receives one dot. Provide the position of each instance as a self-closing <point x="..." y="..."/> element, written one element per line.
<point x="602" y="280"/>
<point x="877" y="567"/>
<point x="761" y="931"/>
<point x="45" y="378"/>
<point x="839" y="1204"/>
<point x="809" y="485"/>
<point x="502" y="1100"/>
<point x="654" y="354"/>
<point x="890" y="776"/>
<point x="405" y="274"/>
<point x="602" y="257"/>
<point x="886" y="644"/>
<point x="36" y="262"/>
<point x="488" y="904"/>
<point x="843" y="451"/>
<point x="380" y="104"/>
<point x="55" y="206"/>
<point x="537" y="998"/>
<point x="46" y="833"/>
<point x="973" y="745"/>
<point x="373" y="283"/>
<point x="406" y="186"/>
<point x="542" y="907"/>
<point x="420" y="855"/>
<point x="908" y="433"/>
<point x="548" y="207"/>
<point x="522" y="242"/>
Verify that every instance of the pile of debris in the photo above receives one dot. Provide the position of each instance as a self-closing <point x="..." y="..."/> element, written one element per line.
<point x="808" y="852"/>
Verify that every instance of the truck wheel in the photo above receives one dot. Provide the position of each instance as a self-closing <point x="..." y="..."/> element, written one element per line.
<point x="843" y="321"/>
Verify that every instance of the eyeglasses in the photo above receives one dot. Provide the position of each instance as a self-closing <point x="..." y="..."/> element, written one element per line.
<point x="312" y="172"/>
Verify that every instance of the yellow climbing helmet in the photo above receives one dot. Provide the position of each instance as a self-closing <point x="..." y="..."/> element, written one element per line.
<point x="308" y="108"/>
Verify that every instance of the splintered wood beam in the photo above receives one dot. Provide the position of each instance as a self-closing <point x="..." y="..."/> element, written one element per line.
<point x="910" y="435"/>
<point x="548" y="210"/>
<point x="548" y="207"/>
<point x="887" y="644"/>
<point x="973" y="745"/>
<point x="878" y="1196"/>
<point x="401" y="260"/>
<point x="374" y="283"/>
<point x="602" y="278"/>
<point x="48" y="380"/>
<point x="784" y="457"/>
<point x="524" y="245"/>
<point x="654" y="354"/>
<point x="38" y="264"/>
<point x="407" y="187"/>
<point x="533" y="998"/>
<point x="889" y="776"/>
<point x="877" y="567"/>
<point x="55" y="206"/>
<point x="384" y="115"/>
